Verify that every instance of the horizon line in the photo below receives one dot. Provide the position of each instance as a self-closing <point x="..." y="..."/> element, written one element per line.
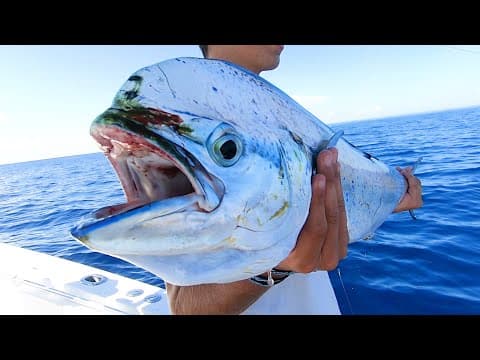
<point x="389" y="117"/>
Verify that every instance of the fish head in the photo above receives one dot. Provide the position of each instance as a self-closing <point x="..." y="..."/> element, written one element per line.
<point x="191" y="184"/>
<point x="214" y="192"/>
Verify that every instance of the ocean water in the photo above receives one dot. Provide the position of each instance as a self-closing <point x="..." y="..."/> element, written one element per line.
<point x="426" y="266"/>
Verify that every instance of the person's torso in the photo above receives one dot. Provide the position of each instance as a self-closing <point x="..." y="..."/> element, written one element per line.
<point x="299" y="294"/>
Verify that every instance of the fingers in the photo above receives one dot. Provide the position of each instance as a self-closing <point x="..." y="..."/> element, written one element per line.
<point x="323" y="240"/>
<point x="406" y="171"/>
<point x="316" y="224"/>
<point x="415" y="190"/>
<point x="413" y="196"/>
<point x="343" y="237"/>
<point x="304" y="257"/>
<point x="329" y="254"/>
<point x="336" y="244"/>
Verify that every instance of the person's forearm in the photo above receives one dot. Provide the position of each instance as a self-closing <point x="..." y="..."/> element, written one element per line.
<point x="222" y="299"/>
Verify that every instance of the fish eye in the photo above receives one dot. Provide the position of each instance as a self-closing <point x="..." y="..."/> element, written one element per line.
<point x="227" y="149"/>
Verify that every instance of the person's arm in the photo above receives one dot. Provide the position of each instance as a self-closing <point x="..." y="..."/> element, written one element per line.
<point x="213" y="299"/>
<point x="321" y="244"/>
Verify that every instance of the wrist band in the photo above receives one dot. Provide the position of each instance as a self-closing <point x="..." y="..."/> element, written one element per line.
<point x="270" y="281"/>
<point x="281" y="272"/>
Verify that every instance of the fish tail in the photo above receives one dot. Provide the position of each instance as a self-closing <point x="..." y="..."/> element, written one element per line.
<point x="415" y="164"/>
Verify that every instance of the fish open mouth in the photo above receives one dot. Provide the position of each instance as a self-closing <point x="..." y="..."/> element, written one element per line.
<point x="152" y="169"/>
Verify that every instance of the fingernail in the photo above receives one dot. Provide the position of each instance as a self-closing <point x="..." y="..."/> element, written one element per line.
<point x="328" y="159"/>
<point x="321" y="182"/>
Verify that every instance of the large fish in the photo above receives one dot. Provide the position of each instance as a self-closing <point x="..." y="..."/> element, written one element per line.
<point x="216" y="165"/>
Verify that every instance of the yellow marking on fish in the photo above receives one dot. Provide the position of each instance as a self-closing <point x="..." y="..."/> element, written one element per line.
<point x="230" y="240"/>
<point x="280" y="211"/>
<point x="84" y="240"/>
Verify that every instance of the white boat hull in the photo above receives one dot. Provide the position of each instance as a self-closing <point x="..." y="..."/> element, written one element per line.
<point x="40" y="284"/>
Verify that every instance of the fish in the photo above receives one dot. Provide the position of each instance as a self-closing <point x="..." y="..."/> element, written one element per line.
<point x="216" y="165"/>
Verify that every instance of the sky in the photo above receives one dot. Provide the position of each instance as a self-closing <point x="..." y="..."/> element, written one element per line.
<point x="50" y="94"/>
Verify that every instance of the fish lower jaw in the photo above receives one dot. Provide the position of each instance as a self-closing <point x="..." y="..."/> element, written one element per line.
<point x="201" y="202"/>
<point x="188" y="202"/>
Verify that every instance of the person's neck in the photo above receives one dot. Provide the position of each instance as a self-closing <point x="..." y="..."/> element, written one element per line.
<point x="235" y="60"/>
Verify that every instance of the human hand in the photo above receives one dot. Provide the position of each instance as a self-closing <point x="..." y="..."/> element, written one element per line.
<point x="323" y="240"/>
<point x="413" y="196"/>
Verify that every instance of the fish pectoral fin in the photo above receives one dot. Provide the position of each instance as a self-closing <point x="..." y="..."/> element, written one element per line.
<point x="334" y="139"/>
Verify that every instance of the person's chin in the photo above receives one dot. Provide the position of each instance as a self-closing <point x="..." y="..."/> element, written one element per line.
<point x="278" y="49"/>
<point x="272" y="66"/>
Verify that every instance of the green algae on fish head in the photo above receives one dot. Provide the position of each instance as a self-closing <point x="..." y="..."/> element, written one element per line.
<point x="148" y="117"/>
<point x="184" y="129"/>
<point x="126" y="103"/>
<point x="123" y="120"/>
<point x="126" y="99"/>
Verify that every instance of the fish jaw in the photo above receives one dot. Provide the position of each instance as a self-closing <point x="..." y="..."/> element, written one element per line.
<point x="157" y="228"/>
<point x="154" y="221"/>
<point x="160" y="180"/>
<point x="149" y="166"/>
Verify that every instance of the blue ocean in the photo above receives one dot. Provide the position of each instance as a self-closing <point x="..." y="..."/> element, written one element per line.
<point x="426" y="266"/>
